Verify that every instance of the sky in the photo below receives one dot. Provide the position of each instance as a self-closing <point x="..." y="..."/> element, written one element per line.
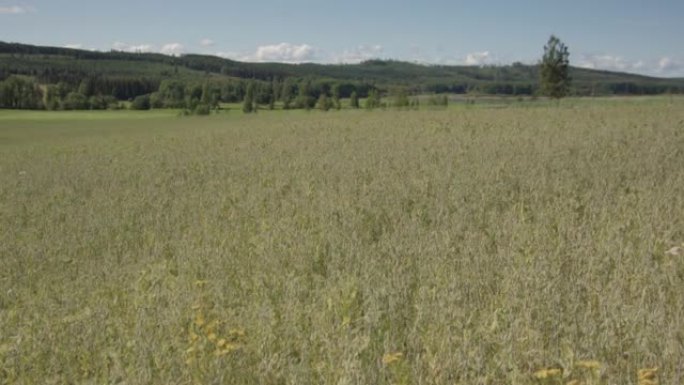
<point x="637" y="36"/>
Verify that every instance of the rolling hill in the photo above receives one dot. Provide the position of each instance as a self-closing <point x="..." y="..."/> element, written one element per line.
<point x="125" y="75"/>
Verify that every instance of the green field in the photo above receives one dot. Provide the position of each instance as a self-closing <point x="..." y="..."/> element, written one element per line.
<point x="458" y="246"/>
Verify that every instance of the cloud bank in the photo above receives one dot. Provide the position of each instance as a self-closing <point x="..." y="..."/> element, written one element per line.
<point x="478" y="58"/>
<point x="304" y="53"/>
<point x="283" y="52"/>
<point x="173" y="49"/>
<point x="664" y="66"/>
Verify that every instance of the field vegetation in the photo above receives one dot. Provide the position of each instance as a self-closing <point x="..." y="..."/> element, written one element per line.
<point x="463" y="245"/>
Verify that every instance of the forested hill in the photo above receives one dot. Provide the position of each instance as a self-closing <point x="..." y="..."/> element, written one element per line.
<point x="124" y="76"/>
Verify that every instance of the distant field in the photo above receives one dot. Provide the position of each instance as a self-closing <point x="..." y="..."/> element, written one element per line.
<point x="457" y="246"/>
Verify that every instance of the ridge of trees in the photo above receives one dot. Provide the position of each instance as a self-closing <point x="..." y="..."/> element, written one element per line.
<point x="62" y="78"/>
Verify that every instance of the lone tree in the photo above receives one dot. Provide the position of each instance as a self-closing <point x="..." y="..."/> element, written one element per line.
<point x="354" y="100"/>
<point x="373" y="100"/>
<point x="555" y="76"/>
<point x="324" y="103"/>
<point x="248" y="102"/>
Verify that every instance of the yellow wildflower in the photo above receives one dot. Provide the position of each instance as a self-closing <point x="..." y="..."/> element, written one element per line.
<point x="212" y="337"/>
<point x="595" y="365"/>
<point x="391" y="358"/>
<point x="232" y="347"/>
<point x="227" y="348"/>
<point x="648" y="376"/>
<point x="547" y="373"/>
<point x="211" y="326"/>
<point x="193" y="336"/>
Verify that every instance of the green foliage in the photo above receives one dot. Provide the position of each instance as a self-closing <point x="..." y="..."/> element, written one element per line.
<point x="400" y="99"/>
<point x="374" y="100"/>
<point x="202" y="109"/>
<point x="248" y="102"/>
<point x="171" y="94"/>
<point x="287" y="93"/>
<point x="102" y="102"/>
<point x="272" y="101"/>
<point x="265" y="94"/>
<point x="181" y="82"/>
<point x="51" y="98"/>
<point x="156" y="100"/>
<point x="336" y="97"/>
<point x="86" y="87"/>
<point x="324" y="103"/>
<point x="354" y="100"/>
<point x="210" y="96"/>
<point x="305" y="98"/>
<point x="555" y="69"/>
<point x="75" y="101"/>
<point x="21" y="93"/>
<point x="141" y="102"/>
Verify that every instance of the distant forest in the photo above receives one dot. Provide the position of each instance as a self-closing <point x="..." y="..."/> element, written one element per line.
<point x="34" y="77"/>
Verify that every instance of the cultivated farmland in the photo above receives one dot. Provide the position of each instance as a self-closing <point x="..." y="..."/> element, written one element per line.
<point x="516" y="245"/>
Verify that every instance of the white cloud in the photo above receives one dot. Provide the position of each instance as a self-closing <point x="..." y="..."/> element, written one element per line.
<point x="15" y="10"/>
<point x="140" y="48"/>
<point x="207" y="43"/>
<point x="293" y="53"/>
<point x="608" y="62"/>
<point x="283" y="52"/>
<point x="173" y="49"/>
<point x="665" y="66"/>
<point x="74" y="46"/>
<point x="301" y="53"/>
<point x="478" y="58"/>
<point x="359" y="54"/>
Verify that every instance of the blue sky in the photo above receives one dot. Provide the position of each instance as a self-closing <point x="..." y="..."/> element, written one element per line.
<point x="626" y="35"/>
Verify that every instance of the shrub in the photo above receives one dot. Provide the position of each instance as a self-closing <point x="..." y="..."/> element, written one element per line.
<point x="75" y="101"/>
<point x="141" y="102"/>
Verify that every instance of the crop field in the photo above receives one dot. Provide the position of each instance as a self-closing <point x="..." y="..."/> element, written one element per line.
<point x="512" y="245"/>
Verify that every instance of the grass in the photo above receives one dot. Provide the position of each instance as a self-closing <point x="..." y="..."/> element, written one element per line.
<point x="79" y="116"/>
<point x="459" y="246"/>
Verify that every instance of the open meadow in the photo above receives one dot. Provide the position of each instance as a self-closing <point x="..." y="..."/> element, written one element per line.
<point x="483" y="245"/>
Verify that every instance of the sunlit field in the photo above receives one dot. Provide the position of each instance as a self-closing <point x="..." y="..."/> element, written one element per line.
<point x="511" y="244"/>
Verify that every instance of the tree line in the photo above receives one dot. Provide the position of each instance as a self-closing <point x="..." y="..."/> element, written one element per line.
<point x="195" y="96"/>
<point x="54" y="78"/>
